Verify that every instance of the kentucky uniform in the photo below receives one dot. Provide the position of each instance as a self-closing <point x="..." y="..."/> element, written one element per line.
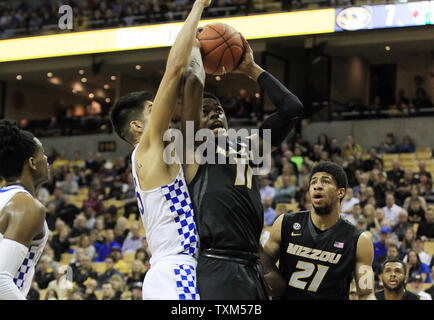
<point x="317" y="265"/>
<point x="230" y="218"/>
<point x="24" y="275"/>
<point x="167" y="216"/>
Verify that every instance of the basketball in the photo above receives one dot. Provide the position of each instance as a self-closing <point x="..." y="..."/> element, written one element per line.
<point x="222" y="48"/>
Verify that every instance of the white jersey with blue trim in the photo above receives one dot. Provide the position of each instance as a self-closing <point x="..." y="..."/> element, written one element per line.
<point x="167" y="215"/>
<point x="24" y="275"/>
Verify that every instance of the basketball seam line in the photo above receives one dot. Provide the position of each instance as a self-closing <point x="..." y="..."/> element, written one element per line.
<point x="228" y="46"/>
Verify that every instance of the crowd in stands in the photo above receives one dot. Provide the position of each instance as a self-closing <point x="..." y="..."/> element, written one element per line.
<point x="96" y="234"/>
<point x="21" y="18"/>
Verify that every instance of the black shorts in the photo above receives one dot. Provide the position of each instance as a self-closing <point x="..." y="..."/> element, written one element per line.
<point x="219" y="279"/>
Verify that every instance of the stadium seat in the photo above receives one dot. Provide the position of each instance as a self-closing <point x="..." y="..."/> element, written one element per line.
<point x="390" y="157"/>
<point x="429" y="247"/>
<point x="98" y="294"/>
<point x="129" y="257"/>
<point x="66" y="258"/>
<point x="423" y="155"/>
<point x="99" y="267"/>
<point x="407" y="156"/>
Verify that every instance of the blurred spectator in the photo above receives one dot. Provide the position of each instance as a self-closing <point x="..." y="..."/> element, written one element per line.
<point x="109" y="271"/>
<point x="137" y="273"/>
<point x="323" y="142"/>
<point x="61" y="161"/>
<point x="104" y="249"/>
<point x="380" y="246"/>
<point x="425" y="229"/>
<point x="415" y="212"/>
<point x="51" y="294"/>
<point x="286" y="193"/>
<point x="403" y="189"/>
<point x="84" y="272"/>
<point x="392" y="253"/>
<point x="133" y="241"/>
<point x="265" y="189"/>
<point x="407" y="243"/>
<point x="60" y="243"/>
<point x="402" y="225"/>
<point x="422" y="171"/>
<point x="60" y="284"/>
<point x="94" y="202"/>
<point x="45" y="274"/>
<point x="396" y="174"/>
<point x="369" y="163"/>
<point x="416" y="287"/>
<point x="136" y="291"/>
<point x="416" y="267"/>
<point x="118" y="286"/>
<point x="406" y="146"/>
<point x="350" y="147"/>
<point x="269" y="213"/>
<point x="79" y="229"/>
<point x="89" y="292"/>
<point x="389" y="144"/>
<point x="107" y="291"/>
<point x="119" y="265"/>
<point x="121" y="231"/>
<point x="391" y="210"/>
<point x="414" y="194"/>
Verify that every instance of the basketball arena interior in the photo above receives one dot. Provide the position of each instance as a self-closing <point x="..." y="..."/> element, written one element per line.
<point x="363" y="69"/>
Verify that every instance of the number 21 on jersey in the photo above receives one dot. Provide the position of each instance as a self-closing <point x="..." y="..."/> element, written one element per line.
<point x="307" y="270"/>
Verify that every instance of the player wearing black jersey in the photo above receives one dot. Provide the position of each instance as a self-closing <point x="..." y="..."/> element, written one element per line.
<point x="319" y="253"/>
<point x="226" y="197"/>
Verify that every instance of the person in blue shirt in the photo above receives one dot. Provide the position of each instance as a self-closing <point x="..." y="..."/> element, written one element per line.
<point x="104" y="249"/>
<point x="416" y="267"/>
<point x="269" y="213"/>
<point x="380" y="247"/>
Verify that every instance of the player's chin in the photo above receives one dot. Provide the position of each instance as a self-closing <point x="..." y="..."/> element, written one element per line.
<point x="219" y="131"/>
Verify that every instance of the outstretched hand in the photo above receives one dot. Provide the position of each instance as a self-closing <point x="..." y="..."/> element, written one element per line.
<point x="205" y="3"/>
<point x="247" y="61"/>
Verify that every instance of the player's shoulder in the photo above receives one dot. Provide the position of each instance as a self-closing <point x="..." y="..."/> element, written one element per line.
<point x="25" y="202"/>
<point x="296" y="216"/>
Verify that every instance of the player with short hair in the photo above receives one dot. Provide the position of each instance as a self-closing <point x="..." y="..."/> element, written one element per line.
<point x="23" y="230"/>
<point x="162" y="194"/>
<point x="226" y="197"/>
<point x="394" y="277"/>
<point x="319" y="253"/>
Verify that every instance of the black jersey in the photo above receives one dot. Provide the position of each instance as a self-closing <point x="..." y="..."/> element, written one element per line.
<point x="227" y="203"/>
<point x="407" y="295"/>
<point x="317" y="265"/>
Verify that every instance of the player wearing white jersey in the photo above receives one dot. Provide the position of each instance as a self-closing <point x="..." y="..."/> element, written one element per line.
<point x="162" y="194"/>
<point x="23" y="230"/>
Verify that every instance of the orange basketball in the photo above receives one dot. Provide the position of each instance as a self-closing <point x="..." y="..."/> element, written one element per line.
<point x="222" y="48"/>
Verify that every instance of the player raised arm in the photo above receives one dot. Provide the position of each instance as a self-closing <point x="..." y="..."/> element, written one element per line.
<point x="363" y="273"/>
<point x="269" y="255"/>
<point x="289" y="108"/>
<point x="21" y="220"/>
<point x="167" y="94"/>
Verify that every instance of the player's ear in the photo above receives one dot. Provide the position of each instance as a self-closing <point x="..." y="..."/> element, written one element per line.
<point x="341" y="193"/>
<point x="32" y="163"/>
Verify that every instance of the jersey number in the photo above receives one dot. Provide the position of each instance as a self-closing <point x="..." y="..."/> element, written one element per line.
<point x="307" y="269"/>
<point x="243" y="177"/>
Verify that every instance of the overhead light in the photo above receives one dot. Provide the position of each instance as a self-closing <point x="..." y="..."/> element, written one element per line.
<point x="81" y="71"/>
<point x="113" y="78"/>
<point x="107" y="100"/>
<point x="257" y="95"/>
<point x="49" y="74"/>
<point x="91" y="95"/>
<point x="218" y="78"/>
<point x="106" y="86"/>
<point x="84" y="80"/>
<point x="138" y="67"/>
<point x="55" y="81"/>
<point x="387" y="48"/>
<point x="19" y="77"/>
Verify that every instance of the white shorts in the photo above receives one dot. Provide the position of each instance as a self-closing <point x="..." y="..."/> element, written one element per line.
<point x="171" y="278"/>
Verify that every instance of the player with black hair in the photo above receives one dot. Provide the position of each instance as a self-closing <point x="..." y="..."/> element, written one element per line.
<point x="319" y="253"/>
<point x="162" y="194"/>
<point x="23" y="230"/>
<point x="394" y="277"/>
<point x="226" y="197"/>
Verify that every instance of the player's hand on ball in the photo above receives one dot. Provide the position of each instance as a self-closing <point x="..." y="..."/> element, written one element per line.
<point x="248" y="61"/>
